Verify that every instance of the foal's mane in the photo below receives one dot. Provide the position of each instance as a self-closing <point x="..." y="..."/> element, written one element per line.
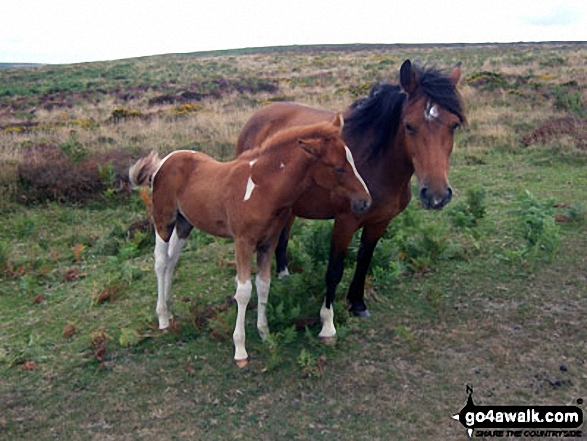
<point x="381" y="112"/>
<point x="286" y="136"/>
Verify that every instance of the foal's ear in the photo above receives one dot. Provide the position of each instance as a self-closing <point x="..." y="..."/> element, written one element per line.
<point x="309" y="146"/>
<point x="407" y="77"/>
<point x="455" y="74"/>
<point x="338" y="122"/>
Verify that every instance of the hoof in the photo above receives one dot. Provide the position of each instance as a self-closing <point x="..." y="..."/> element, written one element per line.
<point x="165" y="322"/>
<point x="362" y="314"/>
<point x="242" y="363"/>
<point x="328" y="341"/>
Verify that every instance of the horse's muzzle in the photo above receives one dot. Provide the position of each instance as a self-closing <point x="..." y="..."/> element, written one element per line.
<point x="434" y="201"/>
<point x="360" y="205"/>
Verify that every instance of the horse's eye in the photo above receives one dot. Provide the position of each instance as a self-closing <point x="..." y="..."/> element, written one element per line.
<point x="410" y="128"/>
<point x="456" y="126"/>
<point x="339" y="170"/>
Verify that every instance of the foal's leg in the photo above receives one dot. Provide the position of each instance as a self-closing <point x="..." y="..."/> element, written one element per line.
<point x="166" y="257"/>
<point x="161" y="263"/>
<point x="342" y="233"/>
<point x="369" y="238"/>
<point x="263" y="282"/>
<point x="244" y="252"/>
<point x="175" y="245"/>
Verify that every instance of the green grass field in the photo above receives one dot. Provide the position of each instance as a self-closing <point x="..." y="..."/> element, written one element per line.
<point x="490" y="292"/>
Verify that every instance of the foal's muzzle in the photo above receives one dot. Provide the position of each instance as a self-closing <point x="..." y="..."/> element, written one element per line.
<point x="360" y="205"/>
<point x="435" y="201"/>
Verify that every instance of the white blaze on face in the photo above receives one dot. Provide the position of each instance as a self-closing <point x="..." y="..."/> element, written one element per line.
<point x="250" y="188"/>
<point x="431" y="111"/>
<point x="349" y="157"/>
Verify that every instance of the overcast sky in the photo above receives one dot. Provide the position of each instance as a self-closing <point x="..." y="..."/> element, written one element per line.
<point x="60" y="31"/>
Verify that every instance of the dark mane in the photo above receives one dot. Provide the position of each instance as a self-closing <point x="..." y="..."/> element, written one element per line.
<point x="380" y="114"/>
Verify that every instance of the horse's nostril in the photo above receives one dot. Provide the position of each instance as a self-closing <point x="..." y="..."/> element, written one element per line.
<point x="423" y="194"/>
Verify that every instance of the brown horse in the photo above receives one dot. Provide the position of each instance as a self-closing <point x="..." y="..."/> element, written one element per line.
<point x="249" y="199"/>
<point x="396" y="131"/>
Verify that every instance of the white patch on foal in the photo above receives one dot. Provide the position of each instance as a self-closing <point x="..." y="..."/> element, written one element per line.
<point x="349" y="157"/>
<point x="242" y="297"/>
<point x="250" y="183"/>
<point x="250" y="188"/>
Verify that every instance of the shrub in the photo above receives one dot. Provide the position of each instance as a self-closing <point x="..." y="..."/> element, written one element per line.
<point x="49" y="174"/>
<point x="469" y="212"/>
<point x="487" y="80"/>
<point x="73" y="148"/>
<point x="537" y="225"/>
<point x="121" y="114"/>
<point x="569" y="97"/>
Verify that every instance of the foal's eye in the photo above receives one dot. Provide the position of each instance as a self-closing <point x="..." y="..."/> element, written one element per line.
<point x="410" y="128"/>
<point x="456" y="126"/>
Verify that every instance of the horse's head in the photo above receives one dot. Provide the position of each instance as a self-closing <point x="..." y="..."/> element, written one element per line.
<point x="335" y="168"/>
<point x="431" y="115"/>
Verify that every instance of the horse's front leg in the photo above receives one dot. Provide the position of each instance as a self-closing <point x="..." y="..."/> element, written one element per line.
<point x="356" y="295"/>
<point x="244" y="287"/>
<point x="342" y="233"/>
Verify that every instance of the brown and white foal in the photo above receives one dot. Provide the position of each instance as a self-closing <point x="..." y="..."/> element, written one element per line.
<point x="249" y="199"/>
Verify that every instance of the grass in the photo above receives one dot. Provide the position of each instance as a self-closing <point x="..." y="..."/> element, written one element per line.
<point x="489" y="292"/>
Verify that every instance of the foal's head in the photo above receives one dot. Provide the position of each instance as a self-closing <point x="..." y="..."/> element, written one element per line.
<point x="335" y="168"/>
<point x="431" y="115"/>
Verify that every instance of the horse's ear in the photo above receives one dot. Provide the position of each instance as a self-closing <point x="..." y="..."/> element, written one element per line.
<point x="407" y="77"/>
<point x="309" y="146"/>
<point x="455" y="74"/>
<point x="338" y="122"/>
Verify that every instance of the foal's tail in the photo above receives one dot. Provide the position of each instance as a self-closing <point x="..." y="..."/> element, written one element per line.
<point x="141" y="173"/>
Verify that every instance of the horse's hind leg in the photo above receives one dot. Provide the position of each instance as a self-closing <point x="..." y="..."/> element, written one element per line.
<point x="281" y="250"/>
<point x="263" y="283"/>
<point x="161" y="264"/>
<point x="166" y="257"/>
